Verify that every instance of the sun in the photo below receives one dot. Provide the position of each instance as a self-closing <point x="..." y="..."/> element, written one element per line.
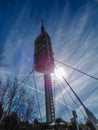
<point x="60" y="72"/>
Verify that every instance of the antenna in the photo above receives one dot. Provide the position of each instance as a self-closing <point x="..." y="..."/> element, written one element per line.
<point x="42" y="26"/>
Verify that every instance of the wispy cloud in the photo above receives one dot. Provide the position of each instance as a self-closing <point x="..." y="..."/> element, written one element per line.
<point x="77" y="45"/>
<point x="74" y="40"/>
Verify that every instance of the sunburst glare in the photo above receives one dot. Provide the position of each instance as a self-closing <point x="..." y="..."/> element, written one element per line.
<point x="60" y="72"/>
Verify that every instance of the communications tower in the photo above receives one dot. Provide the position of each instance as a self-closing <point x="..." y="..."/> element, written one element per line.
<point x="44" y="63"/>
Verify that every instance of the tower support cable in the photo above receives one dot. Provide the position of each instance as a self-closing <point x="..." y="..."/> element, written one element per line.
<point x="70" y="95"/>
<point x="74" y="92"/>
<point x="90" y="115"/>
<point x="77" y="70"/>
<point x="25" y="78"/>
<point x="60" y="89"/>
<point x="37" y="96"/>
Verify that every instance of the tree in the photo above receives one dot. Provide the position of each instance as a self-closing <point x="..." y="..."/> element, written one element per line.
<point x="1" y="111"/>
<point x="15" y="98"/>
<point x="11" y="122"/>
<point x="1" y="55"/>
<point x="30" y="111"/>
<point x="12" y="92"/>
<point x="3" y="91"/>
<point x="20" y="100"/>
<point x="20" y="103"/>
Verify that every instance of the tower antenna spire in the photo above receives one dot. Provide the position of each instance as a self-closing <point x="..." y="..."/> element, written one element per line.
<point x="42" y="26"/>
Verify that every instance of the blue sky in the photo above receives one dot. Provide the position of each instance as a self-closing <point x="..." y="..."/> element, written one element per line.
<point x="73" y="28"/>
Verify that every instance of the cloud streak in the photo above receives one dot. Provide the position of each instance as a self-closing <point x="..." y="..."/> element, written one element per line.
<point x="74" y="40"/>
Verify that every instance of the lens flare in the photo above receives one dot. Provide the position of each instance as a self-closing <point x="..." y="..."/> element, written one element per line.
<point x="60" y="72"/>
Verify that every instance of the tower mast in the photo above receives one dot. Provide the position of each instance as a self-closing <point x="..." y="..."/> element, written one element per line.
<point x="44" y="63"/>
<point x="50" y="112"/>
